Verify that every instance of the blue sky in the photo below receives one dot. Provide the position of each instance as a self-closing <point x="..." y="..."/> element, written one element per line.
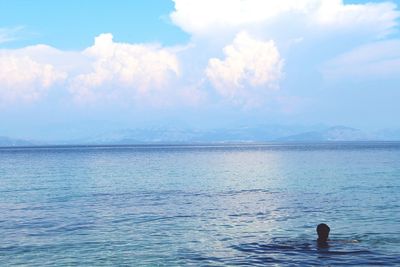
<point x="73" y="24"/>
<point x="74" y="68"/>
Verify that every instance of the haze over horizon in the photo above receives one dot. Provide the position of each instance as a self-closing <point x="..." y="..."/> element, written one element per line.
<point x="99" y="67"/>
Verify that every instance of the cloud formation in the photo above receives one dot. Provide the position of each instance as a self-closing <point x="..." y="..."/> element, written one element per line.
<point x="105" y="70"/>
<point x="22" y="78"/>
<point x="317" y="30"/>
<point x="202" y="18"/>
<point x="135" y="67"/>
<point x="248" y="64"/>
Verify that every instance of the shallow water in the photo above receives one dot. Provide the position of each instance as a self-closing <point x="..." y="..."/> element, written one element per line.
<point x="251" y="205"/>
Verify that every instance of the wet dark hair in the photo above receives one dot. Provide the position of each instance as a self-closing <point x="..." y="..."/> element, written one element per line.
<point x="323" y="231"/>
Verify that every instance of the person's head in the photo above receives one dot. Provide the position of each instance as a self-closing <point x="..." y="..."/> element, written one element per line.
<point x="323" y="232"/>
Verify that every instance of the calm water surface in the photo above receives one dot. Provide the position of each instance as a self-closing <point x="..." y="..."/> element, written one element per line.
<point x="250" y="205"/>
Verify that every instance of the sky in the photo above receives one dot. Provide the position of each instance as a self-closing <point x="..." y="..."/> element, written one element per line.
<point x="75" y="68"/>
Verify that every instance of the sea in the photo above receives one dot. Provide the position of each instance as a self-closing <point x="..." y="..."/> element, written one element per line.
<point x="200" y="205"/>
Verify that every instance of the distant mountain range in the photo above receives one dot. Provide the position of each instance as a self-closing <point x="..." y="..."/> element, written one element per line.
<point x="177" y="135"/>
<point x="337" y="133"/>
<point x="267" y="133"/>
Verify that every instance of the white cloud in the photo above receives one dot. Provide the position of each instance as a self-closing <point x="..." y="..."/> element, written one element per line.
<point x="248" y="63"/>
<point x="22" y="78"/>
<point x="374" y="60"/>
<point x="207" y="17"/>
<point x="381" y="17"/>
<point x="132" y="73"/>
<point x="303" y="34"/>
<point x="71" y="62"/>
<point x="140" y="69"/>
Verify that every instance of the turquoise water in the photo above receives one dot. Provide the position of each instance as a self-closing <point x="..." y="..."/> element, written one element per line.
<point x="251" y="205"/>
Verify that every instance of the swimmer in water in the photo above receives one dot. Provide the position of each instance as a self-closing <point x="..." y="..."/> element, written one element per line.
<point x="323" y="234"/>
